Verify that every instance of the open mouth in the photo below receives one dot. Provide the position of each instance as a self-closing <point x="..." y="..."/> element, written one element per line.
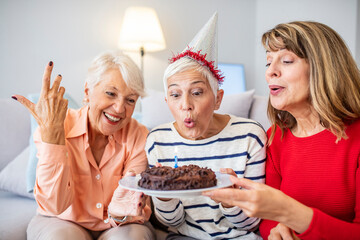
<point x="189" y="123"/>
<point x="111" y="118"/>
<point x="275" y="89"/>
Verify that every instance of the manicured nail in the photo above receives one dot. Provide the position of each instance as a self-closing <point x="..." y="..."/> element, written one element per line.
<point x="142" y="195"/>
<point x="139" y="204"/>
<point x="59" y="75"/>
<point x="13" y="97"/>
<point x="50" y="63"/>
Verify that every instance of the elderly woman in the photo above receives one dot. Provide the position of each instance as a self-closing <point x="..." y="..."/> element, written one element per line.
<point x="313" y="156"/>
<point x="83" y="154"/>
<point x="200" y="136"/>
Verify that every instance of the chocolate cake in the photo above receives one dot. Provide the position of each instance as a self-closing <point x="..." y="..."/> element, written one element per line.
<point x="181" y="178"/>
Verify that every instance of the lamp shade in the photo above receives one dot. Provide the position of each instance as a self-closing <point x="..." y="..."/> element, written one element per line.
<point x="141" y="29"/>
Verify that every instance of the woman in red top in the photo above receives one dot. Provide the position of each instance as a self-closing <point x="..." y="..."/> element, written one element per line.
<point x="313" y="155"/>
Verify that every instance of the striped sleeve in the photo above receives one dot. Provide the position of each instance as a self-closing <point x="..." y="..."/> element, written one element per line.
<point x="170" y="213"/>
<point x="237" y="217"/>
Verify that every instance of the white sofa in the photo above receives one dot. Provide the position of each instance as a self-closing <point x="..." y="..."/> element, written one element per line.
<point x="17" y="206"/>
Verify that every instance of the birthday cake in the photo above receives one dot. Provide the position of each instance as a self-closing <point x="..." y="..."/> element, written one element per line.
<point x="181" y="178"/>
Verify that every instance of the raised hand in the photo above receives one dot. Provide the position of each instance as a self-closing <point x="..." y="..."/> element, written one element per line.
<point x="50" y="110"/>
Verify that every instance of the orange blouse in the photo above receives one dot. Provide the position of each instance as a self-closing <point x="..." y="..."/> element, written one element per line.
<point x="70" y="184"/>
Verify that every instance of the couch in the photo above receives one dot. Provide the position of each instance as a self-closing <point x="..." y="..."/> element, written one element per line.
<point x="17" y="206"/>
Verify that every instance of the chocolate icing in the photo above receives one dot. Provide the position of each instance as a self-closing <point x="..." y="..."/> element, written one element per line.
<point x="181" y="178"/>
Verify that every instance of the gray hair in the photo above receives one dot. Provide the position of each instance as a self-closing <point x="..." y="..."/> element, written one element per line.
<point x="118" y="60"/>
<point x="185" y="64"/>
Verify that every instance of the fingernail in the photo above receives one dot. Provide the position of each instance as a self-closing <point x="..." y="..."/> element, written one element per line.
<point x="206" y="194"/>
<point x="59" y="75"/>
<point x="50" y="63"/>
<point x="142" y="195"/>
<point x="139" y="204"/>
<point x="13" y="97"/>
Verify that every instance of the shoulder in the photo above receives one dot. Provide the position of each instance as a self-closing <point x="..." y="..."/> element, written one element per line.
<point x="355" y="125"/>
<point x="246" y="126"/>
<point x="163" y="134"/>
<point x="134" y="125"/>
<point x="353" y="129"/>
<point x="163" y="129"/>
<point x="75" y="118"/>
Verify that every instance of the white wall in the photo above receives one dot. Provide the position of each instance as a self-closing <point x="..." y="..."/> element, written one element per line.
<point x="339" y="15"/>
<point x="72" y="33"/>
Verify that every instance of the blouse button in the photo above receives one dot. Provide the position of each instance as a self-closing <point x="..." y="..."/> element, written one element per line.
<point x="98" y="176"/>
<point x="98" y="205"/>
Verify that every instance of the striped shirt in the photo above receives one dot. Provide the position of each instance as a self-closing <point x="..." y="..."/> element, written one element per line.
<point x="240" y="146"/>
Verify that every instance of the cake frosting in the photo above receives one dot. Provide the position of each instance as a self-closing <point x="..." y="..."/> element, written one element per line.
<point x="181" y="178"/>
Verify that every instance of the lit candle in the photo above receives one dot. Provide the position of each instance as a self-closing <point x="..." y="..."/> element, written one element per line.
<point x="176" y="158"/>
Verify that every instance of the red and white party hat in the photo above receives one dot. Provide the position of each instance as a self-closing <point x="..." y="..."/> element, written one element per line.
<point x="203" y="48"/>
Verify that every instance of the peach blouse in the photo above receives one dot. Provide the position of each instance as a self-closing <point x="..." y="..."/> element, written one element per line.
<point x="69" y="182"/>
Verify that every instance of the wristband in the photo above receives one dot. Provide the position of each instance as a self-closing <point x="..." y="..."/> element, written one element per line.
<point x="118" y="220"/>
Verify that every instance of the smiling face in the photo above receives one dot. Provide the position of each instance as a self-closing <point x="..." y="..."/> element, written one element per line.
<point x="111" y="104"/>
<point x="192" y="103"/>
<point x="288" y="78"/>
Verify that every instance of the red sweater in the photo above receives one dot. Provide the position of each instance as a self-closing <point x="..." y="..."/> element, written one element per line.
<point x="321" y="174"/>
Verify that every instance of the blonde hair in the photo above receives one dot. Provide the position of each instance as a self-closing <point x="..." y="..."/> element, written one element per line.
<point x="334" y="75"/>
<point x="118" y="60"/>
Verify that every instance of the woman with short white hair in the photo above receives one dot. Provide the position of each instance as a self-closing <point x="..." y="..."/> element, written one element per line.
<point x="202" y="137"/>
<point x="84" y="153"/>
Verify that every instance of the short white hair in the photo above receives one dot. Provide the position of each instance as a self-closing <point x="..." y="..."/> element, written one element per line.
<point x="116" y="60"/>
<point x="186" y="63"/>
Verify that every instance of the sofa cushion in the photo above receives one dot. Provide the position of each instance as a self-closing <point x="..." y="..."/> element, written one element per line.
<point x="155" y="111"/>
<point x="13" y="176"/>
<point x="237" y="104"/>
<point x="258" y="111"/>
<point x="15" y="215"/>
<point x="33" y="160"/>
<point x="14" y="129"/>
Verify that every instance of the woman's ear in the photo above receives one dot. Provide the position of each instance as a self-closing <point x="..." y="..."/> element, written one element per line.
<point x="219" y="97"/>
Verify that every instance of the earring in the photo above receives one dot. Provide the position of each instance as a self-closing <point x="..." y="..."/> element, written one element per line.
<point x="86" y="101"/>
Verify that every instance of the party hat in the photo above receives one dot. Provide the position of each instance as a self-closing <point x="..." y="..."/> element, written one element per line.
<point x="203" y="48"/>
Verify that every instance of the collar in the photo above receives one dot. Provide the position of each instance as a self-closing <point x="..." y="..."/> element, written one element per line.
<point x="78" y="119"/>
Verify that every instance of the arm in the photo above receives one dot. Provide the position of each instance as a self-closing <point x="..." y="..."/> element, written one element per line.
<point x="130" y="203"/>
<point x="255" y="170"/>
<point x="169" y="213"/>
<point x="53" y="188"/>
<point x="323" y="226"/>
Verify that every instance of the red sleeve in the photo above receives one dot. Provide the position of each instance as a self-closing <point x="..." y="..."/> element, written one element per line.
<point x="273" y="179"/>
<point x="323" y="226"/>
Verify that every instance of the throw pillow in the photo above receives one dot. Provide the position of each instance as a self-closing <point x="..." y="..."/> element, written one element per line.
<point x="33" y="160"/>
<point x="154" y="109"/>
<point x="13" y="176"/>
<point x="237" y="104"/>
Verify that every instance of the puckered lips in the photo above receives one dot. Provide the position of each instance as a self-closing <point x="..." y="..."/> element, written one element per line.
<point x="189" y="122"/>
<point x="275" y="89"/>
<point x="111" y="118"/>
